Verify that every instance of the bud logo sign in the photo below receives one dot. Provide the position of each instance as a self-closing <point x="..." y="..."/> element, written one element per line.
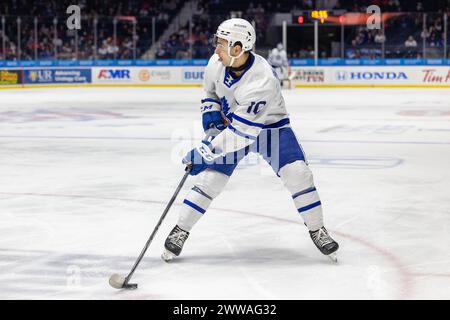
<point x="193" y="75"/>
<point x="113" y="74"/>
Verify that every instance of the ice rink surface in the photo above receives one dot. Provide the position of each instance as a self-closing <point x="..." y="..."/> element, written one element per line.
<point x="86" y="173"/>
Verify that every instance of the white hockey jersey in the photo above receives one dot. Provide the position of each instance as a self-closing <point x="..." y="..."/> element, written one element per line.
<point x="252" y="101"/>
<point x="278" y="58"/>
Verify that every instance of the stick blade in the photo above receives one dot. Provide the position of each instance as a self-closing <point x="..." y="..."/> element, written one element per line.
<point x="130" y="286"/>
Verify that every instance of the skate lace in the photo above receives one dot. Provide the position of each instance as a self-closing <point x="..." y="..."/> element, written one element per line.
<point x="322" y="237"/>
<point x="178" y="238"/>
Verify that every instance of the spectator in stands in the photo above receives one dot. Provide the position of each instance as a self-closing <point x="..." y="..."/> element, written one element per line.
<point x="111" y="49"/>
<point x="199" y="9"/>
<point x="425" y="34"/>
<point x="161" y="53"/>
<point x="411" y="48"/>
<point x="57" y="42"/>
<point x="419" y="7"/>
<point x="431" y="40"/>
<point x="438" y="25"/>
<point x="371" y="36"/>
<point x="105" y="10"/>
<point x="103" y="51"/>
<point x="144" y="10"/>
<point x="411" y="42"/>
<point x="163" y="17"/>
<point x="380" y="38"/>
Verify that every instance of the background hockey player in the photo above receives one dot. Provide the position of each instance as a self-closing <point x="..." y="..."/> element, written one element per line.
<point x="278" y="60"/>
<point x="242" y="90"/>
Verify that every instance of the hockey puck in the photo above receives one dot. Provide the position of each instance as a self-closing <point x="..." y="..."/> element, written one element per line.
<point x="118" y="282"/>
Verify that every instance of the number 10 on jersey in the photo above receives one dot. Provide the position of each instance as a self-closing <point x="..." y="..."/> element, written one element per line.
<point x="254" y="107"/>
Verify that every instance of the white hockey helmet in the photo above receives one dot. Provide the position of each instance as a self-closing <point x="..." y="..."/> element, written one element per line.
<point x="236" y="30"/>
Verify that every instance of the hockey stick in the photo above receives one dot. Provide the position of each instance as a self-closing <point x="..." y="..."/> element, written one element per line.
<point x="117" y="281"/>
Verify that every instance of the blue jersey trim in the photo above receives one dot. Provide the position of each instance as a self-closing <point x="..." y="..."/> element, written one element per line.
<point x="278" y="124"/>
<point x="275" y="125"/>
<point x="306" y="208"/>
<point x="240" y="133"/>
<point x="233" y="81"/>
<point x="303" y="192"/>
<point x="194" y="206"/>
<point x="247" y="122"/>
<point x="210" y="100"/>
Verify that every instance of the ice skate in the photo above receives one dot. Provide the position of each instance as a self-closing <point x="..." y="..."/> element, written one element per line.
<point x="325" y="243"/>
<point x="174" y="243"/>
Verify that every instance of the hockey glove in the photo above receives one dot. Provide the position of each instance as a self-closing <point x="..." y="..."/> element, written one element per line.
<point x="200" y="158"/>
<point x="212" y="116"/>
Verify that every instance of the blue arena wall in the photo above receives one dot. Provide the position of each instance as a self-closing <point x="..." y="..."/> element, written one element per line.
<point x="202" y="62"/>
<point x="304" y="73"/>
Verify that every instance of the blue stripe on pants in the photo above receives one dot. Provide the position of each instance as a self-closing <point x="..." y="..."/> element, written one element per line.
<point x="306" y="208"/>
<point x="194" y="206"/>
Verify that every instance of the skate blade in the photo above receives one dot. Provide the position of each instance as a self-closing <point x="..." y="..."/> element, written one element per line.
<point x="333" y="257"/>
<point x="167" y="256"/>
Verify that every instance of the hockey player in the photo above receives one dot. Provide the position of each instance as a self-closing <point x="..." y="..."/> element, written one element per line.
<point x="245" y="107"/>
<point x="279" y="62"/>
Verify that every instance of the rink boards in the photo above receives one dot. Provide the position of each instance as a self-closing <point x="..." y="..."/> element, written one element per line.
<point x="192" y="76"/>
<point x="102" y="76"/>
<point x="364" y="76"/>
